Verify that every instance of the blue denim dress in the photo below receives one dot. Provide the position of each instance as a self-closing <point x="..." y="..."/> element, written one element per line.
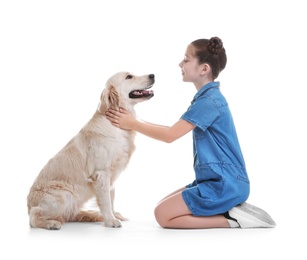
<point x="221" y="178"/>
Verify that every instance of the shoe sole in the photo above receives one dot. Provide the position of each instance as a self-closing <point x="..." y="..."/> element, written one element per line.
<point x="250" y="216"/>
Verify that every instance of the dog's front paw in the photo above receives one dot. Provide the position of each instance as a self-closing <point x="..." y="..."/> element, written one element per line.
<point x="115" y="223"/>
<point x="119" y="216"/>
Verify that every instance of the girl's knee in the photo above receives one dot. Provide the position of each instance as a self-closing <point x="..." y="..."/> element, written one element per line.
<point x="160" y="218"/>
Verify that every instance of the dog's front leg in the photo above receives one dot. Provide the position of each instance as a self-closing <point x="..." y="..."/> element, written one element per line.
<point x="116" y="214"/>
<point x="104" y="200"/>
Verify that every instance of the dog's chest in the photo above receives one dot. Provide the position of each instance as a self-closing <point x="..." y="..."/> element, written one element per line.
<point x="124" y="143"/>
<point x="122" y="149"/>
<point x="117" y="147"/>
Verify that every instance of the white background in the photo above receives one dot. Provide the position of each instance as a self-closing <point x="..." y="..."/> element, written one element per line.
<point x="55" y="57"/>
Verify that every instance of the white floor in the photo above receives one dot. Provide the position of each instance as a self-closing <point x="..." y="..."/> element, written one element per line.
<point x="145" y="240"/>
<point x="141" y="238"/>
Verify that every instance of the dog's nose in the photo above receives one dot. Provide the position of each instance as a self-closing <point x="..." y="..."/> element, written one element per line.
<point x="151" y="76"/>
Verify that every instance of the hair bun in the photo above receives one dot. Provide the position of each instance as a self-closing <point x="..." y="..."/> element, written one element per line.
<point x="215" y="45"/>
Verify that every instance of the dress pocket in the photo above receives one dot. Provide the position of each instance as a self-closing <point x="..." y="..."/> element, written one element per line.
<point x="211" y="178"/>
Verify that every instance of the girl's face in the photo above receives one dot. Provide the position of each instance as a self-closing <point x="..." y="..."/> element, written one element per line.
<point x="190" y="68"/>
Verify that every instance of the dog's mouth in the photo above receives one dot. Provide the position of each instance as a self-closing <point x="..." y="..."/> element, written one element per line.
<point x="142" y="93"/>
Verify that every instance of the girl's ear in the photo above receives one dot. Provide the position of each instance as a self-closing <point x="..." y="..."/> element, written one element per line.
<point x="205" y="69"/>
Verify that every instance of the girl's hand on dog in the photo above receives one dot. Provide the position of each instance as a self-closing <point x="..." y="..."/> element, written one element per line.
<point x="121" y="118"/>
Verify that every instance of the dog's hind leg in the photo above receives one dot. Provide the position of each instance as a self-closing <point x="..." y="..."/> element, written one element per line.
<point x="38" y="221"/>
<point x="51" y="209"/>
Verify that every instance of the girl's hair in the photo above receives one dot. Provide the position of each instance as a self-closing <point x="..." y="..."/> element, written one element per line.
<point x="211" y="52"/>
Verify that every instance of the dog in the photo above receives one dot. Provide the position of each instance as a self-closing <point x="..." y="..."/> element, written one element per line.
<point x="89" y="164"/>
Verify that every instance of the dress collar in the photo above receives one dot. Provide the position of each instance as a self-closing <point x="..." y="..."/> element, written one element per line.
<point x="213" y="84"/>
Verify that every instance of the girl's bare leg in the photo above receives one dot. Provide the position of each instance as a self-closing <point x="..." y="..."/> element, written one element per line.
<point x="174" y="192"/>
<point x="172" y="212"/>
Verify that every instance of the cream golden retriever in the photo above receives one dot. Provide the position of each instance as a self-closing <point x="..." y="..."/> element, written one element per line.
<point x="88" y="166"/>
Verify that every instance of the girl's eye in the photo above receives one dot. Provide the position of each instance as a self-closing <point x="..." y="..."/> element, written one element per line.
<point x="129" y="77"/>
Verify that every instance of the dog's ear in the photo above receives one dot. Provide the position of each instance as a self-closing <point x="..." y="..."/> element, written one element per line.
<point x="109" y="99"/>
<point x="113" y="98"/>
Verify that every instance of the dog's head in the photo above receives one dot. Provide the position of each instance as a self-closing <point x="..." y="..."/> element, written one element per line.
<point x="125" y="90"/>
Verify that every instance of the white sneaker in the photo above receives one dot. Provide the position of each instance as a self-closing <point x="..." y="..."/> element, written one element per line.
<point x="250" y="216"/>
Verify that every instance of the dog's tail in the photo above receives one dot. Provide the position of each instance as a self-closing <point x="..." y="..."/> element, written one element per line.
<point x="88" y="216"/>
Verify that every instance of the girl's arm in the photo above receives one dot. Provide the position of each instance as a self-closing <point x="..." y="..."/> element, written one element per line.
<point x="125" y="120"/>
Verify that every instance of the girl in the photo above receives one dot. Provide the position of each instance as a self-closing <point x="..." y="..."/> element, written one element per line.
<point x="216" y="198"/>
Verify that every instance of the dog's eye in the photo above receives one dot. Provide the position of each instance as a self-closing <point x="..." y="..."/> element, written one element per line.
<point x="129" y="77"/>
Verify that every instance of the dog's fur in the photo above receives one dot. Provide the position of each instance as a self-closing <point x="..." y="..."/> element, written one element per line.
<point x="89" y="164"/>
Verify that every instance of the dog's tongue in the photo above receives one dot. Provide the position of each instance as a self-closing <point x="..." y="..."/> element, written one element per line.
<point x="142" y="92"/>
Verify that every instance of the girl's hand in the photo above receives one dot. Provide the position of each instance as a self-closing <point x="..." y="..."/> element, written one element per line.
<point x="121" y="118"/>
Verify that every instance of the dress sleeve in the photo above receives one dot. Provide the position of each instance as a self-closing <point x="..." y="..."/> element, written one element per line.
<point x="201" y="113"/>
